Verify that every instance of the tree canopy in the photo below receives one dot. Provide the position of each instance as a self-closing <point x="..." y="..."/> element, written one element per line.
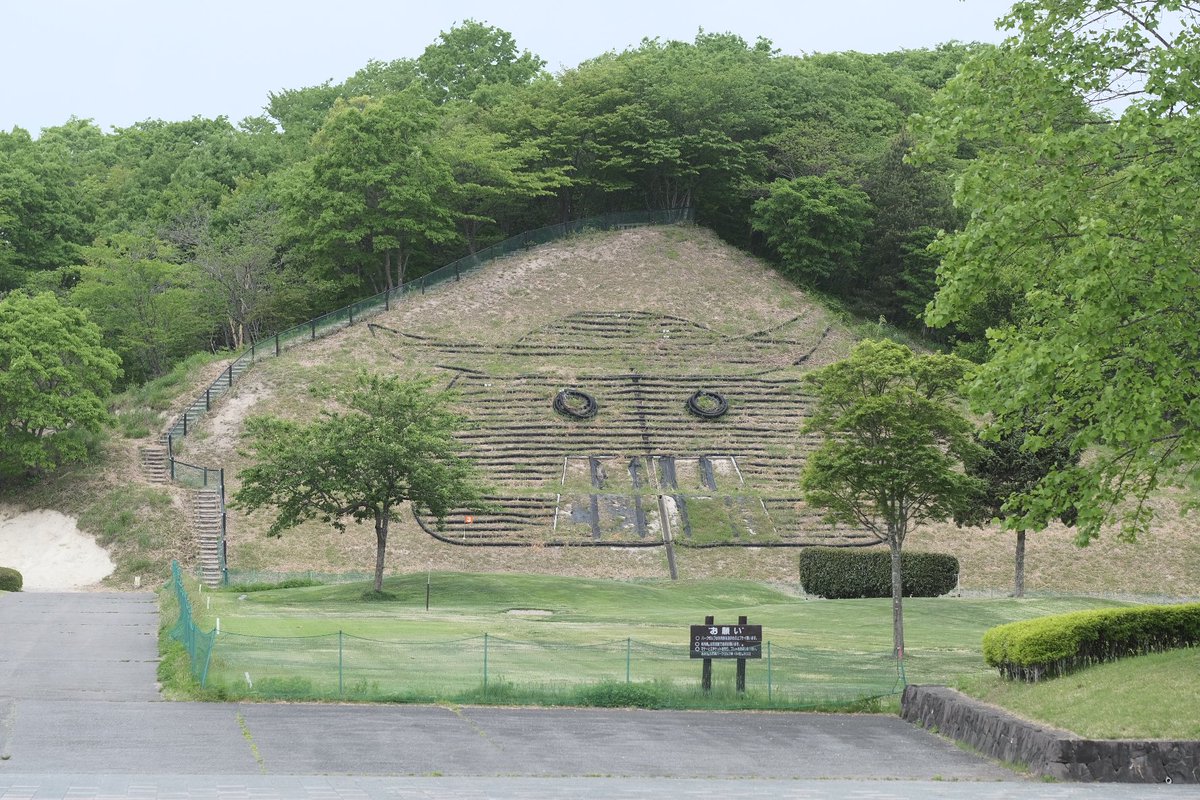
<point x="893" y="450"/>
<point x="349" y="187"/>
<point x="1084" y="214"/>
<point x="54" y="378"/>
<point x="394" y="443"/>
<point x="1009" y="470"/>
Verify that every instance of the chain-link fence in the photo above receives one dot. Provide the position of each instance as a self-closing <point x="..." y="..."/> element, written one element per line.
<point x="198" y="643"/>
<point x="498" y="669"/>
<point x="489" y="668"/>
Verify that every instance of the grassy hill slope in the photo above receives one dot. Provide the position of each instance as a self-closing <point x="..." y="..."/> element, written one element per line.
<point x="640" y="319"/>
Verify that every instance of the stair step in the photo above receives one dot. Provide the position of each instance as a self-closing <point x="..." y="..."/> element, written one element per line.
<point x="206" y="522"/>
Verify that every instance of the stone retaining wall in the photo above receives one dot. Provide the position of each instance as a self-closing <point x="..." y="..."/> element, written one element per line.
<point x="1045" y="750"/>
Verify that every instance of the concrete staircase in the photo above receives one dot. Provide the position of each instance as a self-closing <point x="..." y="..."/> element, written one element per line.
<point x="154" y="463"/>
<point x="206" y="522"/>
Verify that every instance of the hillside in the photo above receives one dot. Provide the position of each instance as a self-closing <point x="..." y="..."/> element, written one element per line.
<point x="640" y="320"/>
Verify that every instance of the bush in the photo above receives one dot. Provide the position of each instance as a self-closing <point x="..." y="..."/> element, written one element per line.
<point x="610" y="694"/>
<point x="839" y="573"/>
<point x="10" y="580"/>
<point x="1053" y="646"/>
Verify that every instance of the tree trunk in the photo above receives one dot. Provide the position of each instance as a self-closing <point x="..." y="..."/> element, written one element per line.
<point x="1019" y="584"/>
<point x="402" y="256"/>
<point x="387" y="270"/>
<point x="897" y="599"/>
<point x="381" y="532"/>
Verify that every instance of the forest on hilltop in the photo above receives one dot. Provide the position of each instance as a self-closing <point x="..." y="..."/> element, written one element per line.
<point x="181" y="236"/>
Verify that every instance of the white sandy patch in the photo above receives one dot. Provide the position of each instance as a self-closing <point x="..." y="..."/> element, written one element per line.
<point x="50" y="551"/>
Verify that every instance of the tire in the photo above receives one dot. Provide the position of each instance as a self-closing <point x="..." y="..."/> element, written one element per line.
<point x="707" y="405"/>
<point x="576" y="404"/>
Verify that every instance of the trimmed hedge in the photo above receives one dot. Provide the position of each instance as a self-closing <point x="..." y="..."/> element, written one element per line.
<point x="1053" y="646"/>
<point x="10" y="580"/>
<point x="839" y="573"/>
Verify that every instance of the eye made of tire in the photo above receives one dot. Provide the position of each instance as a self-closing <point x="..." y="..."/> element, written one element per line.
<point x="576" y="404"/>
<point x="707" y="405"/>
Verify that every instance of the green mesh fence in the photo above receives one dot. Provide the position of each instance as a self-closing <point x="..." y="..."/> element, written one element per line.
<point x="342" y="666"/>
<point x="198" y="643"/>
<point x="489" y="668"/>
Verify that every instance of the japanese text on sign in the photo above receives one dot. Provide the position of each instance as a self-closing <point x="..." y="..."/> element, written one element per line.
<point x="726" y="641"/>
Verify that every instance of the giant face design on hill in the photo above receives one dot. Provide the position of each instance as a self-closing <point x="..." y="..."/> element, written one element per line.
<point x="658" y="419"/>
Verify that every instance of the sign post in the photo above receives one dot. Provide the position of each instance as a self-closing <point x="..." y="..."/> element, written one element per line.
<point x="741" y="641"/>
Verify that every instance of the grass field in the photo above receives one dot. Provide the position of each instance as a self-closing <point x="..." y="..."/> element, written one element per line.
<point x="548" y="637"/>
<point x="1147" y="697"/>
<point x="680" y="310"/>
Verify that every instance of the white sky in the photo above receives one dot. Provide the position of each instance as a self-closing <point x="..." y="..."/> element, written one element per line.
<point x="118" y="62"/>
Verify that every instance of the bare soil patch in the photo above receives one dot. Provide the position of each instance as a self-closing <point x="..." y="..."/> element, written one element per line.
<point x="50" y="551"/>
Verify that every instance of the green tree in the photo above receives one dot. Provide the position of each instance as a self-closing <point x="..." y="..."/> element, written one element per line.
<point x="302" y="112"/>
<point x="45" y="212"/>
<point x="152" y="309"/>
<point x="376" y="192"/>
<point x="472" y="55"/>
<point x="393" y="444"/>
<point x="893" y="450"/>
<point x="492" y="174"/>
<point x="1008" y="470"/>
<point x="908" y="200"/>
<point x="1090" y="219"/>
<point x="816" y="226"/>
<point x="55" y="377"/>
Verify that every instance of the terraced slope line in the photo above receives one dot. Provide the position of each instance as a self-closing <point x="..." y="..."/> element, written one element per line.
<point x="642" y="320"/>
<point x="642" y="419"/>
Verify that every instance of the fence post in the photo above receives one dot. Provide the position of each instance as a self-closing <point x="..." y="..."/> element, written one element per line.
<point x="229" y="373"/>
<point x="387" y="300"/>
<point x="224" y="530"/>
<point x="208" y="399"/>
<point x="706" y="667"/>
<point x="351" y="313"/>
<point x="768" y="670"/>
<point x="312" y="323"/>
<point x="485" y="654"/>
<point x="212" y="645"/>
<point x="628" y="647"/>
<point x="185" y="423"/>
<point x="339" y="663"/>
<point x="253" y="351"/>
<point x="171" y="453"/>
<point x="277" y="345"/>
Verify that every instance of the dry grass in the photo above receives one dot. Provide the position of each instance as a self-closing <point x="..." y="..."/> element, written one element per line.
<point x="683" y="272"/>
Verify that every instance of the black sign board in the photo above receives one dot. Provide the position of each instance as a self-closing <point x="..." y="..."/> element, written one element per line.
<point x="726" y="641"/>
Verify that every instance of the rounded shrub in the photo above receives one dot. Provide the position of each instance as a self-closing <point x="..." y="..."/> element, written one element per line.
<point x="10" y="580"/>
<point x="840" y="573"/>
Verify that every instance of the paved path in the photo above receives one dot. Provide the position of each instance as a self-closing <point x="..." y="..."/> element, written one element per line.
<point x="154" y="787"/>
<point x="80" y="717"/>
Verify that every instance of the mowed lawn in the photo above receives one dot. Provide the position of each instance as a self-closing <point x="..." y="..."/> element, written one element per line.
<point x="1155" y="696"/>
<point x="551" y="630"/>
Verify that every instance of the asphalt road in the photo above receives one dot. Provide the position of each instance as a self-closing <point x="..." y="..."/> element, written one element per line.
<point x="81" y="717"/>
